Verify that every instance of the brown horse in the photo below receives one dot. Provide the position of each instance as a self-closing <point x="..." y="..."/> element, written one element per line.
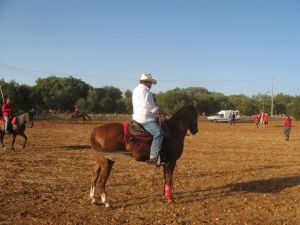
<point x="108" y="140"/>
<point x="18" y="128"/>
<point x="75" y="117"/>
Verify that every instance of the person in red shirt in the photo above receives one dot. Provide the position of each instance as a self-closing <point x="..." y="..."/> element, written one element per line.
<point x="266" y="120"/>
<point x="256" y="120"/>
<point x="76" y="110"/>
<point x="287" y="127"/>
<point x="7" y="111"/>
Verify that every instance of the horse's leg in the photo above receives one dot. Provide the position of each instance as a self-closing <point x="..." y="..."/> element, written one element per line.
<point x="106" y="166"/>
<point x="95" y="176"/>
<point x="168" y="174"/>
<point x="13" y="142"/>
<point x="102" y="168"/>
<point x="25" y="140"/>
<point x="1" y="139"/>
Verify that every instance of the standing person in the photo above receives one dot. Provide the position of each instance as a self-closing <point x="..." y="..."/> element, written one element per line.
<point x="256" y="120"/>
<point x="145" y="112"/>
<point x="233" y="119"/>
<point x="33" y="112"/>
<point x="7" y="111"/>
<point x="266" y="120"/>
<point x="230" y="119"/>
<point x="76" y="110"/>
<point x="287" y="127"/>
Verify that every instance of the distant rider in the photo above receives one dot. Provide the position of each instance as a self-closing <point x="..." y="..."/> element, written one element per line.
<point x="76" y="110"/>
<point x="7" y="111"/>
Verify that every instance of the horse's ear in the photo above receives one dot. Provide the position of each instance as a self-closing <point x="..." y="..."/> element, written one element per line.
<point x="194" y="104"/>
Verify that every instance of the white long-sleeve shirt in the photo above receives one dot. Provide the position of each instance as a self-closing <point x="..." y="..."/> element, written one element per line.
<point x="144" y="108"/>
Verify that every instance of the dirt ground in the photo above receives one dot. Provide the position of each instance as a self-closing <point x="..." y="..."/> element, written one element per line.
<point x="227" y="175"/>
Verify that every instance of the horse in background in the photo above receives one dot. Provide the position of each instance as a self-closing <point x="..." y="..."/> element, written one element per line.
<point x="75" y="116"/>
<point x="19" y="123"/>
<point x="109" y="140"/>
<point x="261" y="119"/>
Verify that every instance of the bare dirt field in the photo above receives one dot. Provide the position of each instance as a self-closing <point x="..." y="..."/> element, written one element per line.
<point x="227" y="175"/>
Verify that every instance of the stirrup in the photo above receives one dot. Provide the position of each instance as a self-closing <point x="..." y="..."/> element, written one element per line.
<point x="152" y="161"/>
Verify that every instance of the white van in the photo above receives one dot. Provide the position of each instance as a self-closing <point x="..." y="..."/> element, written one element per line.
<point x="223" y="116"/>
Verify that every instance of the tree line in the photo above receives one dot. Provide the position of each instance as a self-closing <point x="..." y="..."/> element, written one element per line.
<point x="62" y="93"/>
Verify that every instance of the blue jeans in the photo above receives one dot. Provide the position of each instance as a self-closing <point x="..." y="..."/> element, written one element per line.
<point x="158" y="135"/>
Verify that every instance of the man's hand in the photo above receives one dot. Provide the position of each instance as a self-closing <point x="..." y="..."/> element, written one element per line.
<point x="161" y="115"/>
<point x="159" y="112"/>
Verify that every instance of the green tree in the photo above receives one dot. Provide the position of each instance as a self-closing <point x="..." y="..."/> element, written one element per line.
<point x="107" y="99"/>
<point x="126" y="103"/>
<point x="294" y="107"/>
<point x="172" y="100"/>
<point x="83" y="105"/>
<point x="61" y="93"/>
<point x="245" y="104"/>
<point x="23" y="98"/>
<point x="281" y="102"/>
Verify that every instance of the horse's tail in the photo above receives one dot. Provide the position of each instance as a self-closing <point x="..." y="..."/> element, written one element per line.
<point x="94" y="144"/>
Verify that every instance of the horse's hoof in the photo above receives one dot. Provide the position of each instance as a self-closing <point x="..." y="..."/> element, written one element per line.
<point x="107" y="205"/>
<point x="93" y="201"/>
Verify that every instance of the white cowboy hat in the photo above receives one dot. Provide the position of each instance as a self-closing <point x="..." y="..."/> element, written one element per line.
<point x="148" y="77"/>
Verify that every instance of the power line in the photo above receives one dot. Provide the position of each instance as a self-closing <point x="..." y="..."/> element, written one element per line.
<point x="125" y="77"/>
<point x="218" y="81"/>
<point x="130" y="78"/>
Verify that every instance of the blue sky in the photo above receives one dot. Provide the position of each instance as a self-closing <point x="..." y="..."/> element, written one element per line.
<point x="232" y="46"/>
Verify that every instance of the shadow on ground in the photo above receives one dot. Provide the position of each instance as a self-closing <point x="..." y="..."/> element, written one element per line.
<point x="77" y="147"/>
<point x="273" y="185"/>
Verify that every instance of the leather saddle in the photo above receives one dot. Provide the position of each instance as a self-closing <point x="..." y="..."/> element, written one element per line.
<point x="135" y="132"/>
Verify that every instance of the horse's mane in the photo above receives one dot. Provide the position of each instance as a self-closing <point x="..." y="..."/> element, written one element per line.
<point x="22" y="112"/>
<point x="181" y="113"/>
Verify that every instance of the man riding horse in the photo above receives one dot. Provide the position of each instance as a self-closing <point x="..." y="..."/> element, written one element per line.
<point x="76" y="111"/>
<point x="145" y="113"/>
<point x="7" y="111"/>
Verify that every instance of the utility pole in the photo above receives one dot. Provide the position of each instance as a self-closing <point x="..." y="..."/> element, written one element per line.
<point x="2" y="94"/>
<point x="263" y="98"/>
<point x="272" y="98"/>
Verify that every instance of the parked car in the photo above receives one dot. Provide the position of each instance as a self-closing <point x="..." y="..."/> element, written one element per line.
<point x="223" y="116"/>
